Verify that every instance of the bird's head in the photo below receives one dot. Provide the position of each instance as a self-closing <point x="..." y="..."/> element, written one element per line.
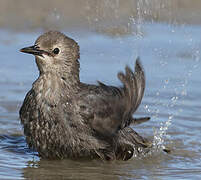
<point x="54" y="52"/>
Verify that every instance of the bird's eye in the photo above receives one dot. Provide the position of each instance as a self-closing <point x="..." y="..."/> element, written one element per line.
<point x="56" y="51"/>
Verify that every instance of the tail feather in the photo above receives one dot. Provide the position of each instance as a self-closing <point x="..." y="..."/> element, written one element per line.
<point x="136" y="121"/>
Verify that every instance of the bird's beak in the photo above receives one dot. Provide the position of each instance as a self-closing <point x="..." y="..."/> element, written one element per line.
<point x="32" y="50"/>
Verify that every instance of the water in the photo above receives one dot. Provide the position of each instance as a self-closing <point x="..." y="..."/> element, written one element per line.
<point x="170" y="54"/>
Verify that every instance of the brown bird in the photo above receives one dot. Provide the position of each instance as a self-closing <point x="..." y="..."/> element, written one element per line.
<point x="65" y="118"/>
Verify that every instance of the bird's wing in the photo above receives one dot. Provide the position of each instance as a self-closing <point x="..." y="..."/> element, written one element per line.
<point x="24" y="110"/>
<point x="26" y="115"/>
<point x="108" y="109"/>
<point x="101" y="109"/>
<point x="134" y="85"/>
<point x="133" y="89"/>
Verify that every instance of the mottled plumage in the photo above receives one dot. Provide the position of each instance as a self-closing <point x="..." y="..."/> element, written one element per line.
<point x="65" y="118"/>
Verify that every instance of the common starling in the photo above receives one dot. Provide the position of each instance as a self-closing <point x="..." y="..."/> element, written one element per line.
<point x="65" y="118"/>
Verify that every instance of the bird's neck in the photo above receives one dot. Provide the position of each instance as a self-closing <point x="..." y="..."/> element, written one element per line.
<point x="70" y="73"/>
<point x="68" y="69"/>
<point x="51" y="88"/>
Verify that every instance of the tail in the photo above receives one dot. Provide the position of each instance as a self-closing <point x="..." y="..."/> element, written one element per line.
<point x="130" y="143"/>
<point x="136" y="121"/>
<point x="133" y="90"/>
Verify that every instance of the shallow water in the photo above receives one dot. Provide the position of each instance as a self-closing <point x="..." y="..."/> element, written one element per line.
<point x="170" y="55"/>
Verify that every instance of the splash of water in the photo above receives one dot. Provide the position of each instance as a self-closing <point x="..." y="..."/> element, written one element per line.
<point x="180" y="91"/>
<point x="160" y="134"/>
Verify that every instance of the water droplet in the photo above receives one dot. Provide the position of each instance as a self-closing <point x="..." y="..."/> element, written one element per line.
<point x="175" y="98"/>
<point x="170" y="118"/>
